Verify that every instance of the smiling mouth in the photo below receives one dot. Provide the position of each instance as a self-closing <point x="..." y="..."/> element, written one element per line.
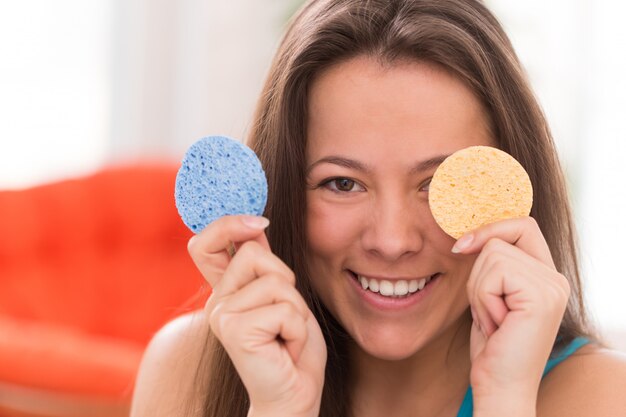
<point x="393" y="288"/>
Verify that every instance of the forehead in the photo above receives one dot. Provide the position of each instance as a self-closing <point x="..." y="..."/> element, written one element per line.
<point x="403" y="107"/>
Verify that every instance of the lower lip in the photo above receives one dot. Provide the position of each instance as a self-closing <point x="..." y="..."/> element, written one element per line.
<point x="380" y="302"/>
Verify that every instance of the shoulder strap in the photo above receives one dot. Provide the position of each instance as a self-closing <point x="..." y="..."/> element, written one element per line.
<point x="467" y="406"/>
<point x="565" y="353"/>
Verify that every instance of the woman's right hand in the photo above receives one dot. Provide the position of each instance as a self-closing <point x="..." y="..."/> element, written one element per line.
<point x="262" y="321"/>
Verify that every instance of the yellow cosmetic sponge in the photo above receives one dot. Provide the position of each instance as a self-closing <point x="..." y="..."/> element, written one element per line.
<point x="477" y="186"/>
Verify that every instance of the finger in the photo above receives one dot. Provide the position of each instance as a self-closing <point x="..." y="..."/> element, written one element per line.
<point x="209" y="248"/>
<point x="488" y="304"/>
<point x="505" y="279"/>
<point x="495" y="250"/>
<point x="475" y="283"/>
<point x="484" y="285"/>
<point x="252" y="261"/>
<point x="314" y="352"/>
<point x="267" y="289"/>
<point x="260" y="330"/>
<point x="522" y="232"/>
<point x="482" y="318"/>
<point x="478" y="340"/>
<point x="499" y="251"/>
<point x="261" y="239"/>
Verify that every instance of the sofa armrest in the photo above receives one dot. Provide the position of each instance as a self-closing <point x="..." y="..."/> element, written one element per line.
<point x="16" y="401"/>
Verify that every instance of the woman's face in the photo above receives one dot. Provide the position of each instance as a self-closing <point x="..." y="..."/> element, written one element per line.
<point x="375" y="137"/>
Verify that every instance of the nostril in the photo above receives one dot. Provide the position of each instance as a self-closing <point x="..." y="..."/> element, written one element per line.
<point x="391" y="237"/>
<point x="393" y="249"/>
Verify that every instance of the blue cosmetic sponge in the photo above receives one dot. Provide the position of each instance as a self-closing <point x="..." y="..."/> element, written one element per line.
<point x="219" y="176"/>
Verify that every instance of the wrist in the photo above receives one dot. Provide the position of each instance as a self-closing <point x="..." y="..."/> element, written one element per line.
<point x="252" y="412"/>
<point x="506" y="409"/>
<point x="512" y="403"/>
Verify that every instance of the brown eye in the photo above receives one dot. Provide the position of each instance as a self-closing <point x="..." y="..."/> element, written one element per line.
<point x="344" y="184"/>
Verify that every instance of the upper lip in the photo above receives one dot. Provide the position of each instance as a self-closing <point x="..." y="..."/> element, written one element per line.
<point x="395" y="278"/>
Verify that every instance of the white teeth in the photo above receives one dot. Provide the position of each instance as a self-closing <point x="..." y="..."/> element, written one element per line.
<point x="401" y="288"/>
<point x="364" y="282"/>
<point x="386" y="288"/>
<point x="389" y="289"/>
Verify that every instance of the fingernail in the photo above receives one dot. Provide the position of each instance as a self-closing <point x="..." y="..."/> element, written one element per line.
<point x="463" y="243"/>
<point x="255" y="222"/>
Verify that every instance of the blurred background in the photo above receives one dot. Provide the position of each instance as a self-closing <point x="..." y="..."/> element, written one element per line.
<point x="86" y="85"/>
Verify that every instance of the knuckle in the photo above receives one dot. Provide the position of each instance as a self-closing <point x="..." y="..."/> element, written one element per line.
<point x="249" y="248"/>
<point x="482" y="296"/>
<point x="560" y="283"/>
<point x="195" y="248"/>
<point x="288" y="309"/>
<point x="301" y="305"/>
<point x="568" y="289"/>
<point x="493" y="245"/>
<point x="564" y="285"/>
<point x="499" y="263"/>
<point x="282" y="270"/>
<point x="214" y="319"/>
<point x="287" y="293"/>
<point x="291" y="277"/>
<point x="491" y="256"/>
<point x="219" y="319"/>
<point x="274" y="281"/>
<point x="531" y="222"/>
<point x="192" y="244"/>
<point x="556" y="296"/>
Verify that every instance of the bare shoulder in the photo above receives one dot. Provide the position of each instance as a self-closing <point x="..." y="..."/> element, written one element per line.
<point x="591" y="382"/>
<point x="165" y="380"/>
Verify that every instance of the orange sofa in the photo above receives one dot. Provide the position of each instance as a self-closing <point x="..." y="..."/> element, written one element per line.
<point x="90" y="269"/>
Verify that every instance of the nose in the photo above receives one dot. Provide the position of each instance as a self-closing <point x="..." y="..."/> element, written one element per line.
<point x="394" y="230"/>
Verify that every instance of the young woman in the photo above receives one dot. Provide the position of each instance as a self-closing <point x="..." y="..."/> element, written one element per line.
<point x="353" y="302"/>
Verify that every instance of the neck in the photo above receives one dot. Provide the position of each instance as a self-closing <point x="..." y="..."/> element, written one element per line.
<point x="431" y="382"/>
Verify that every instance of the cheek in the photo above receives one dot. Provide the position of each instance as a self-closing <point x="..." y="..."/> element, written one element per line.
<point x="439" y="240"/>
<point x="332" y="228"/>
<point x="438" y="244"/>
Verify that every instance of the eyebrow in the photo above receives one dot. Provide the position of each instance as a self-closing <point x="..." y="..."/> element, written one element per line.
<point x="342" y="161"/>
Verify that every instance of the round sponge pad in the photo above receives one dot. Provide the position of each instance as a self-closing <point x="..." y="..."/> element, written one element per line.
<point x="476" y="186"/>
<point x="219" y="176"/>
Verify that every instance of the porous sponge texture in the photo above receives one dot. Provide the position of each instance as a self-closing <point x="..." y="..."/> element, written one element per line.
<point x="477" y="186"/>
<point x="219" y="176"/>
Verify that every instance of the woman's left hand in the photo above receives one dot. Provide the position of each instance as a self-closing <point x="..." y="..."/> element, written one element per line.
<point x="518" y="299"/>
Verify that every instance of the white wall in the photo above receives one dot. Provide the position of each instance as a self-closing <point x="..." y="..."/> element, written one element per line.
<point x="183" y="70"/>
<point x="54" y="82"/>
<point x="575" y="55"/>
<point x="603" y="192"/>
<point x="90" y="82"/>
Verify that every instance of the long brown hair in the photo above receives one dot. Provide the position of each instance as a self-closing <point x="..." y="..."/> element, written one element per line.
<point x="462" y="37"/>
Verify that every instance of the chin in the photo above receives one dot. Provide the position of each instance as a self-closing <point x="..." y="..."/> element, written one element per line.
<point x="390" y="347"/>
<point x="389" y="352"/>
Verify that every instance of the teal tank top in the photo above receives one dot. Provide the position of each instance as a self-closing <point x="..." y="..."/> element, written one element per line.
<point x="467" y="407"/>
